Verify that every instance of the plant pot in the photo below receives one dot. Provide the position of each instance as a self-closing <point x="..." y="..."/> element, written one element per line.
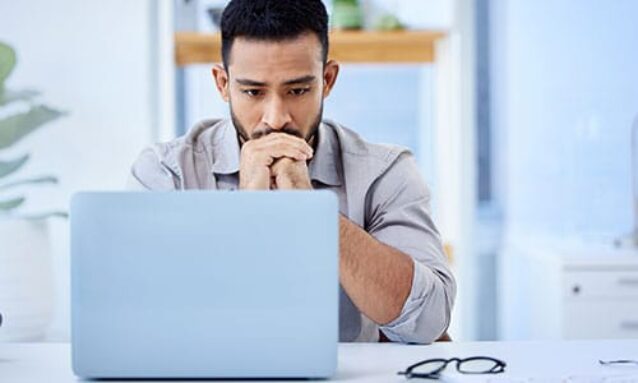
<point x="26" y="279"/>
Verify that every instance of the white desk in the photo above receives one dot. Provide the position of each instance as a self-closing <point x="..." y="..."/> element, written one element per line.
<point x="543" y="361"/>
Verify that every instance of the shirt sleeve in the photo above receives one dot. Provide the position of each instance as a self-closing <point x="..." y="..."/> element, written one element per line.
<point x="148" y="173"/>
<point x="399" y="216"/>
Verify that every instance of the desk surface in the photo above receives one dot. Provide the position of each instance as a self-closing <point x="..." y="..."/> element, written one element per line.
<point x="574" y="361"/>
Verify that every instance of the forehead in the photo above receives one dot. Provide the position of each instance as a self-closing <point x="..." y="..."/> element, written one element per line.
<point x="272" y="61"/>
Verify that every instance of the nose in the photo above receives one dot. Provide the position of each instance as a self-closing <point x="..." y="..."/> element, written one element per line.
<point x="276" y="115"/>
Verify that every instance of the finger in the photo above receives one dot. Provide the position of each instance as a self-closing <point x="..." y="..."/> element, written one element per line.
<point x="266" y="156"/>
<point x="286" y="151"/>
<point x="281" y="163"/>
<point x="284" y="139"/>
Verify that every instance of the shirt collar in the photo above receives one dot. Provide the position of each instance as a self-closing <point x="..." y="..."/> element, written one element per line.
<point x="324" y="166"/>
<point x="226" y="150"/>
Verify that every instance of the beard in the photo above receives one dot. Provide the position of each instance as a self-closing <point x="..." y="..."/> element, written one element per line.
<point x="259" y="132"/>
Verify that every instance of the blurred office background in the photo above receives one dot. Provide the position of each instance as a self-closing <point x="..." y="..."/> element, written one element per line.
<point x="521" y="126"/>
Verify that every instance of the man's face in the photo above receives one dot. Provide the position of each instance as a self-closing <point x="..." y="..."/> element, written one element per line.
<point x="276" y="86"/>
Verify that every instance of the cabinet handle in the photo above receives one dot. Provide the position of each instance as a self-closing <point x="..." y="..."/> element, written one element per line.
<point x="576" y="289"/>
<point x="629" y="325"/>
<point x="628" y="282"/>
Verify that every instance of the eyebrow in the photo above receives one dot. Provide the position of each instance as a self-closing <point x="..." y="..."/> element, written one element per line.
<point x="247" y="82"/>
<point x="299" y="80"/>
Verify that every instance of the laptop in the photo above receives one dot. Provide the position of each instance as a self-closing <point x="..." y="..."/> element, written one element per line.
<point x="204" y="284"/>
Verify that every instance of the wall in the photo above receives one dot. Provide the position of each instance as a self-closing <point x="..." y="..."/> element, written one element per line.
<point x="568" y="75"/>
<point x="565" y="96"/>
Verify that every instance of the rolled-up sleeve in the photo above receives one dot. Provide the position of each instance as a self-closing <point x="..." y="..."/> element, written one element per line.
<point x="399" y="216"/>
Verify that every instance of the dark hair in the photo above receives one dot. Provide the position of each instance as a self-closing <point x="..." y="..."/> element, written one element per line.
<point x="273" y="20"/>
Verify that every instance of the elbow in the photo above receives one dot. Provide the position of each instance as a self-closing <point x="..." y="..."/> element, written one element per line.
<point x="426" y="319"/>
<point x="429" y="327"/>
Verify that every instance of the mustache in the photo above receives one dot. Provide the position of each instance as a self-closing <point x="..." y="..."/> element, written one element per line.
<point x="287" y="129"/>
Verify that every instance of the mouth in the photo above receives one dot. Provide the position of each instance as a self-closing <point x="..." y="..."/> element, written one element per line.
<point x="262" y="132"/>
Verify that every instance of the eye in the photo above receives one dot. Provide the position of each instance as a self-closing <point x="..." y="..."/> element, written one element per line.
<point x="252" y="92"/>
<point x="299" y="91"/>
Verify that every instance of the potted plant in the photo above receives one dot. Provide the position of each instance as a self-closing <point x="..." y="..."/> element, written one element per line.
<point x="346" y="14"/>
<point x="26" y="281"/>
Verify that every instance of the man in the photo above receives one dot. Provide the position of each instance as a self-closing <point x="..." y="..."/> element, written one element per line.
<point x="275" y="75"/>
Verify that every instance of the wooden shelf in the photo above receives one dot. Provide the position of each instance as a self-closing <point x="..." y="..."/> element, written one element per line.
<point x="353" y="47"/>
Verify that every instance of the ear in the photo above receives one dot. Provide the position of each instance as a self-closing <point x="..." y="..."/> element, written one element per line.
<point x="221" y="81"/>
<point x="330" y="73"/>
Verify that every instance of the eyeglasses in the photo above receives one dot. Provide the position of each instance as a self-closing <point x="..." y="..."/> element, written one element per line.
<point x="432" y="368"/>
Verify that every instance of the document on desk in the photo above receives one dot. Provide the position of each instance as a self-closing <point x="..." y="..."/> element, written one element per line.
<point x="611" y="378"/>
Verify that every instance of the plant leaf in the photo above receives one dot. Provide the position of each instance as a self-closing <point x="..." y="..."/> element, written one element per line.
<point x="14" y="128"/>
<point x="7" y="62"/>
<point x="7" y="96"/>
<point x="8" y="167"/>
<point x="11" y="203"/>
<point x="35" y="180"/>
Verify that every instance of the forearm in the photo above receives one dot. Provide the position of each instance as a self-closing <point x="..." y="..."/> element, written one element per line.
<point x="377" y="277"/>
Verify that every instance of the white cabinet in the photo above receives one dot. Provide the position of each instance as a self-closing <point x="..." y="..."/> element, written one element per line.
<point x="568" y="291"/>
<point x="600" y="303"/>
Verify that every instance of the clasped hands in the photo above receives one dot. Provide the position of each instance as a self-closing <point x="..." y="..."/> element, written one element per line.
<point x="275" y="161"/>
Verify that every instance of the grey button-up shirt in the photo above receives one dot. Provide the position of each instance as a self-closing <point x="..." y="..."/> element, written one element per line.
<point x="379" y="188"/>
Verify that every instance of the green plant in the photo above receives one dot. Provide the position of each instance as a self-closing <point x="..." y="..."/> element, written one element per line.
<point x="15" y="126"/>
<point x="388" y="22"/>
<point x="346" y="14"/>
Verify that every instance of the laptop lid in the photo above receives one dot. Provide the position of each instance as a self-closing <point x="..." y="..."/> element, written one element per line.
<point x="204" y="284"/>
